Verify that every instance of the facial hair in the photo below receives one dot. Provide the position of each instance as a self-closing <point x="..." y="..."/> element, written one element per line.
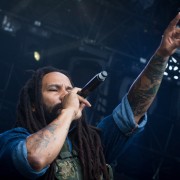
<point x="51" y="113"/>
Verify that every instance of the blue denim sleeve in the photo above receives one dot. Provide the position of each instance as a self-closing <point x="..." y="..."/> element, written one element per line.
<point x="118" y="131"/>
<point x="124" y="118"/>
<point x="14" y="153"/>
<point x="21" y="163"/>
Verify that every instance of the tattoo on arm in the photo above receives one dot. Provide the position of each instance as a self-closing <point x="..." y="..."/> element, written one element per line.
<point x="146" y="86"/>
<point x="44" y="137"/>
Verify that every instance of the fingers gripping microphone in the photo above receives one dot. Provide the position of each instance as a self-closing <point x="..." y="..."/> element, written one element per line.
<point x="93" y="84"/>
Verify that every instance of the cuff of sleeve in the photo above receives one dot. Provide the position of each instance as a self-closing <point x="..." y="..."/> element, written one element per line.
<point x="124" y="118"/>
<point x="21" y="163"/>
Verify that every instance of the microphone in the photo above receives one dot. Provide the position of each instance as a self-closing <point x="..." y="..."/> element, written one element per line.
<point x="93" y="84"/>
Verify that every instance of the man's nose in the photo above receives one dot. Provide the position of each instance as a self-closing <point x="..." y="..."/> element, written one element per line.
<point x="63" y="92"/>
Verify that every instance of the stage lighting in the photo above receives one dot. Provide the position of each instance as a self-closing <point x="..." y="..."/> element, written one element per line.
<point x="37" y="55"/>
<point x="10" y="25"/>
<point x="172" y="73"/>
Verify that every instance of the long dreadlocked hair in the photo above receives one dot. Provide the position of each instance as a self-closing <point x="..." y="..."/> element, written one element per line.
<point x="88" y="141"/>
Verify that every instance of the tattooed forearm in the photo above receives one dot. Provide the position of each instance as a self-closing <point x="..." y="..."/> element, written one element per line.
<point x="51" y="128"/>
<point x="44" y="137"/>
<point x="145" y="87"/>
<point x="154" y="71"/>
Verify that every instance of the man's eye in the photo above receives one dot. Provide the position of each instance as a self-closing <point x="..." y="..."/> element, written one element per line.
<point x="52" y="89"/>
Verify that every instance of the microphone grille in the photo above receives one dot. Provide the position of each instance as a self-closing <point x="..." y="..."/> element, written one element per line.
<point x="103" y="75"/>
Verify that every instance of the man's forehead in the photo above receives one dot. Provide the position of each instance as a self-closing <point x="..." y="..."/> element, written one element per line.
<point x="56" y="77"/>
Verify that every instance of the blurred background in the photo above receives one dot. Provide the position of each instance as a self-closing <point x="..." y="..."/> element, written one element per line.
<point x="85" y="37"/>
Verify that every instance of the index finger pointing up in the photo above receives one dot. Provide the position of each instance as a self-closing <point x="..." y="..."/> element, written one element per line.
<point x="175" y="21"/>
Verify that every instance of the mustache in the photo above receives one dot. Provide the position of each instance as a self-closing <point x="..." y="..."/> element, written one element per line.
<point x="52" y="112"/>
<point x="56" y="108"/>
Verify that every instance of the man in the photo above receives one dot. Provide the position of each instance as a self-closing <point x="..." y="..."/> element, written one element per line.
<point x="52" y="139"/>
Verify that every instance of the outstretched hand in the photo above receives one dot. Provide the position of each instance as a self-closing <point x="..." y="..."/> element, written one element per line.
<point x="170" y="39"/>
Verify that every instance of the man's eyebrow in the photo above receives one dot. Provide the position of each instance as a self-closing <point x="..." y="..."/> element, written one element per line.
<point x="69" y="87"/>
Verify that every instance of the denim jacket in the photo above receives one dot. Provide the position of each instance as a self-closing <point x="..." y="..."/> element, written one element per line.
<point x="117" y="131"/>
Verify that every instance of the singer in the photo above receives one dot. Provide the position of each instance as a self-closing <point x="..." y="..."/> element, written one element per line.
<point x="51" y="138"/>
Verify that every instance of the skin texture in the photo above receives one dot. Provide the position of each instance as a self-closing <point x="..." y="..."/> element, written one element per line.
<point x="44" y="145"/>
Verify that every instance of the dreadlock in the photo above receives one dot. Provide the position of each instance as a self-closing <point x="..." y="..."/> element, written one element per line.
<point x="88" y="146"/>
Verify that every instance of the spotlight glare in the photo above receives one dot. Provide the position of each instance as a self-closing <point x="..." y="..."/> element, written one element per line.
<point x="165" y="73"/>
<point x="174" y="60"/>
<point x="176" y="77"/>
<point x="170" y="68"/>
<point x="37" y="56"/>
<point x="172" y="73"/>
<point x="175" y="68"/>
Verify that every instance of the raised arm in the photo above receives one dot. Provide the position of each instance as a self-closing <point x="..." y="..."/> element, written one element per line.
<point x="144" y="89"/>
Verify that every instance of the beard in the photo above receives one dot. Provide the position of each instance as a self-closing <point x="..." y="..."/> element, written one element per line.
<point x="51" y="113"/>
